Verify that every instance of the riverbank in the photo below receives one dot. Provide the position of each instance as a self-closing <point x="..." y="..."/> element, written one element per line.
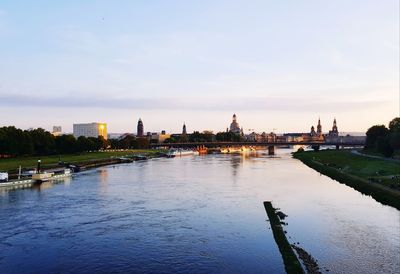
<point x="88" y="159"/>
<point x="375" y="177"/>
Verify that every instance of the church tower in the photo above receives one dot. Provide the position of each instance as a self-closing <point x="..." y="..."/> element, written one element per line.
<point x="234" y="127"/>
<point x="184" y="129"/>
<point x="312" y="132"/>
<point x="334" y="124"/>
<point x="334" y="132"/>
<point x="140" y="128"/>
<point x="319" y="127"/>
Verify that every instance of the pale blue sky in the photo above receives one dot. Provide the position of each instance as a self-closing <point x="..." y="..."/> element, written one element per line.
<point x="277" y="64"/>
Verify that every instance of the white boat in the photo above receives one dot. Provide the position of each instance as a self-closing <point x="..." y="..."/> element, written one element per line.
<point x="3" y="176"/>
<point x="42" y="177"/>
<point x="179" y="152"/>
<point x="51" y="175"/>
<point x="58" y="174"/>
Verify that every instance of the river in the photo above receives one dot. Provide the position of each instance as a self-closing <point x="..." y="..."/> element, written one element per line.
<point x="195" y="214"/>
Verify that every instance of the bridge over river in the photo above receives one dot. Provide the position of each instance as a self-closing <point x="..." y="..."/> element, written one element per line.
<point x="270" y="145"/>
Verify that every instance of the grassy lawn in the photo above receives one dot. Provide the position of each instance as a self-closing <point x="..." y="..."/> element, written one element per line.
<point x="12" y="164"/>
<point x="371" y="152"/>
<point x="375" y="177"/>
<point x="364" y="167"/>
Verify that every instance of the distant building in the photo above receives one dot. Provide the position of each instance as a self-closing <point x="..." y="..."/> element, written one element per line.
<point x="319" y="127"/>
<point x="334" y="132"/>
<point x="184" y="129"/>
<point x="314" y="136"/>
<point x="294" y="137"/>
<point x="234" y="127"/>
<point x="90" y="130"/>
<point x="263" y="137"/>
<point x="115" y="135"/>
<point x="159" y="137"/>
<point x="57" y="130"/>
<point x="312" y="132"/>
<point x="140" y="128"/>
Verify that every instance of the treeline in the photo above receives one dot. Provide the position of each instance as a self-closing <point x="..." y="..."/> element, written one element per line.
<point x="197" y="137"/>
<point x="17" y="142"/>
<point x="384" y="140"/>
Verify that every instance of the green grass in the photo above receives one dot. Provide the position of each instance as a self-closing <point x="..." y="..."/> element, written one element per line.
<point x="290" y="260"/>
<point x="12" y="164"/>
<point x="396" y="154"/>
<point x="370" y="176"/>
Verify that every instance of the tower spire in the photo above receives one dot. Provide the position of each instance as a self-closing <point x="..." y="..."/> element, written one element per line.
<point x="184" y="129"/>
<point x="319" y="127"/>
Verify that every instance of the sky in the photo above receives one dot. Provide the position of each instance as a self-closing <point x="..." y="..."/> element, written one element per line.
<point x="279" y="65"/>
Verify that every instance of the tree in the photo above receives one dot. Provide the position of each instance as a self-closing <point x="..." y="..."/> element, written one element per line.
<point x="85" y="144"/>
<point x="114" y="143"/>
<point x="43" y="141"/>
<point x="383" y="146"/>
<point x="142" y="143"/>
<point x="394" y="125"/>
<point x="200" y="137"/>
<point x="228" y="137"/>
<point x="15" y="141"/>
<point x="374" y="133"/>
<point x="182" y="139"/>
<point x="394" y="140"/>
<point x="170" y="140"/>
<point x="66" y="144"/>
<point x="128" y="141"/>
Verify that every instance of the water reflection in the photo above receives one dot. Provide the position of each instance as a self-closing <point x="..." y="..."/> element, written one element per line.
<point x="103" y="179"/>
<point x="236" y="160"/>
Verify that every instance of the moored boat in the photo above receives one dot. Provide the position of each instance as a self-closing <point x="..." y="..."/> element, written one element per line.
<point x="3" y="176"/>
<point x="179" y="152"/>
<point x="51" y="175"/>
<point x="42" y="177"/>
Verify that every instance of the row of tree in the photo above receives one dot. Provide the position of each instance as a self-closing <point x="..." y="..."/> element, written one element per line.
<point x="206" y="137"/>
<point x="16" y="142"/>
<point x="384" y="140"/>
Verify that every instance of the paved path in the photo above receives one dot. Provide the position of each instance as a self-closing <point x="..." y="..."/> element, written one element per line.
<point x="375" y="157"/>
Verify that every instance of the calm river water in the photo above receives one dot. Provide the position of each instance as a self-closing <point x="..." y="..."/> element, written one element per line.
<point x="196" y="214"/>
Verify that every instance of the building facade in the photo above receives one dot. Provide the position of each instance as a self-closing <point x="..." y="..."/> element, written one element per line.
<point x="158" y="138"/>
<point x="90" y="130"/>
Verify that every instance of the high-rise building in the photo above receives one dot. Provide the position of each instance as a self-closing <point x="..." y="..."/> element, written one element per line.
<point x="90" y="130"/>
<point x="140" y="128"/>
<point x="234" y="127"/>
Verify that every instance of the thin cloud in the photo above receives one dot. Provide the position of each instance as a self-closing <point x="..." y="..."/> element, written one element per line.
<point x="190" y="104"/>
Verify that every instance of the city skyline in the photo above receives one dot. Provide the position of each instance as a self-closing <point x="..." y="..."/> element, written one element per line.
<point x="275" y="65"/>
<point x="233" y="127"/>
<point x="326" y="125"/>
